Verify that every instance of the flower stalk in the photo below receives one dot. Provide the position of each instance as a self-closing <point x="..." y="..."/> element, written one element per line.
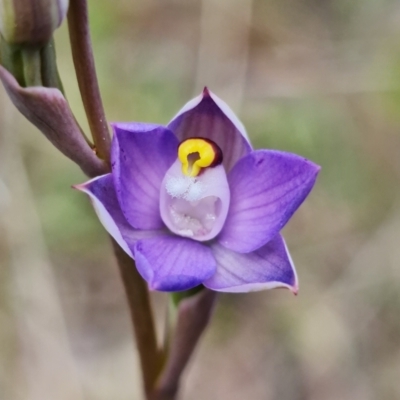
<point x="188" y="320"/>
<point x="86" y="75"/>
<point x="151" y="358"/>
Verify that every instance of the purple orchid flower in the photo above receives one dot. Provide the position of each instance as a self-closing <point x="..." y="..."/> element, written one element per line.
<point x="194" y="204"/>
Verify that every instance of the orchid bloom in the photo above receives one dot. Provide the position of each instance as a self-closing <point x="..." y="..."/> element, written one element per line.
<point x="194" y="204"/>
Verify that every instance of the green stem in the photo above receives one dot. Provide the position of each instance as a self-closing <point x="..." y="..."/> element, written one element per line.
<point x="10" y="59"/>
<point x="86" y="74"/>
<point x="50" y="75"/>
<point x="31" y="65"/>
<point x="142" y="318"/>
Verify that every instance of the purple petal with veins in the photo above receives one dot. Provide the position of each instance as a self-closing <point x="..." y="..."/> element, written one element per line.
<point x="141" y="155"/>
<point x="171" y="263"/>
<point x="267" y="187"/>
<point x="103" y="197"/>
<point x="209" y="117"/>
<point x="266" y="268"/>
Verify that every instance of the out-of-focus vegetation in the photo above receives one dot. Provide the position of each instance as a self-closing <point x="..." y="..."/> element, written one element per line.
<point x="317" y="77"/>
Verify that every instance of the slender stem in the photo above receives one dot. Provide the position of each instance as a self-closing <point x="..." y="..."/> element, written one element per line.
<point x="86" y="74"/>
<point x="135" y="288"/>
<point x="142" y="318"/>
<point x="190" y="321"/>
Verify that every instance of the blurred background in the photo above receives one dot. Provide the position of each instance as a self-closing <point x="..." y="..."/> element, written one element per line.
<point x="317" y="77"/>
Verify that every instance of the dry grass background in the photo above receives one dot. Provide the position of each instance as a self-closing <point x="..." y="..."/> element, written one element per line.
<point x="317" y="77"/>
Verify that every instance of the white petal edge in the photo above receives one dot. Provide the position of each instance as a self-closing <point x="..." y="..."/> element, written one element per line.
<point x="221" y="104"/>
<point x="104" y="215"/>
<point x="257" y="287"/>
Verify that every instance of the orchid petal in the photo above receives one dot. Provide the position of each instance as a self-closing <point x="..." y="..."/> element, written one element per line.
<point x="141" y="155"/>
<point x="266" y="268"/>
<point x="170" y="263"/>
<point x="266" y="187"/>
<point x="209" y="117"/>
<point x="103" y="197"/>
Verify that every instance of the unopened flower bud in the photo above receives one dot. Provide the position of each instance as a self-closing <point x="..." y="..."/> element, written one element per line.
<point x="31" y="21"/>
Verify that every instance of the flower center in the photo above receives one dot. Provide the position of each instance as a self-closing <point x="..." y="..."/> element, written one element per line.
<point x="198" y="153"/>
<point x="194" y="198"/>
